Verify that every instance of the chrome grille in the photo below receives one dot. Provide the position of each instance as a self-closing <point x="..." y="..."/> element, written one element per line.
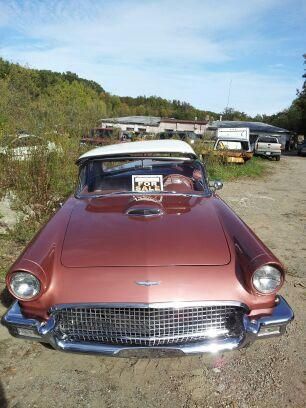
<point x="147" y="326"/>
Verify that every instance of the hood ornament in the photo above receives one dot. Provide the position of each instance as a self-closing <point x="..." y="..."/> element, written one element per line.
<point x="148" y="283"/>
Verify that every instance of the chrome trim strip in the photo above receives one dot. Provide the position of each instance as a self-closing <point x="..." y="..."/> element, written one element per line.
<point x="164" y="193"/>
<point x="147" y="283"/>
<point x="121" y="157"/>
<point x="156" y="305"/>
<point x="281" y="315"/>
<point x="125" y="351"/>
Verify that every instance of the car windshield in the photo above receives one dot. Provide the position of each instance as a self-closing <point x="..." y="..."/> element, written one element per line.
<point x="267" y="139"/>
<point x="149" y="176"/>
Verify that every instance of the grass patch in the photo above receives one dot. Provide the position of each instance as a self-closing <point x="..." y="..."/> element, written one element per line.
<point x="217" y="167"/>
<point x="253" y="168"/>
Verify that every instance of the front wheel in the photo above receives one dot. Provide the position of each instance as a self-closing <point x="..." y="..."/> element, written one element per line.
<point x="277" y="158"/>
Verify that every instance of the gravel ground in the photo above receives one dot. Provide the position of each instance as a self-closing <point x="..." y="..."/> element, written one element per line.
<point x="267" y="374"/>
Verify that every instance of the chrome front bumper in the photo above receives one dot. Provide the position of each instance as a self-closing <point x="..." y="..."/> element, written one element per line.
<point x="266" y="326"/>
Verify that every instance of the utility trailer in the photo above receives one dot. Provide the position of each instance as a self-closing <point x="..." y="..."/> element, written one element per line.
<point x="233" y="144"/>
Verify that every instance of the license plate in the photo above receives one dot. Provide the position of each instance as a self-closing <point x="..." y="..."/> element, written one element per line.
<point x="268" y="153"/>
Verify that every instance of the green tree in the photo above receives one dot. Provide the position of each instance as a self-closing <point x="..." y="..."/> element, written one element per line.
<point x="70" y="107"/>
<point x="232" y="114"/>
<point x="301" y="102"/>
<point x="293" y="118"/>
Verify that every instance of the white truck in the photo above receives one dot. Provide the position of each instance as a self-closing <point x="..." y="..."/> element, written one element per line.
<point x="234" y="144"/>
<point x="268" y="146"/>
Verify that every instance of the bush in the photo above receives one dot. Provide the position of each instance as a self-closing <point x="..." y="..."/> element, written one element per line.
<point x="38" y="184"/>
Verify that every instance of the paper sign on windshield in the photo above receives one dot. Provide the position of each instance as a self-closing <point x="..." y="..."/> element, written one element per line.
<point x="147" y="183"/>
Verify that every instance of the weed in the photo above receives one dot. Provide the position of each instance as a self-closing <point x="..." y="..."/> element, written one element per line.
<point x="225" y="172"/>
<point x="38" y="183"/>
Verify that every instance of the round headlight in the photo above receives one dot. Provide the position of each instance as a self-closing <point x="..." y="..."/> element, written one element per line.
<point x="24" y="285"/>
<point x="267" y="279"/>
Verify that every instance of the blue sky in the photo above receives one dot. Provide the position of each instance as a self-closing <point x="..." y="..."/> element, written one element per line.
<point x="188" y="50"/>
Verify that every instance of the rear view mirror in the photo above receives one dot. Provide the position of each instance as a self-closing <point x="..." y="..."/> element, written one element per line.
<point x="216" y="185"/>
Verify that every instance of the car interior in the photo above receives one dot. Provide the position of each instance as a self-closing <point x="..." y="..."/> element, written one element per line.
<point x="99" y="176"/>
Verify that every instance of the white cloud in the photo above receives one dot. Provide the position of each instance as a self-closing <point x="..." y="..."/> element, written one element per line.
<point x="166" y="47"/>
<point x="139" y="30"/>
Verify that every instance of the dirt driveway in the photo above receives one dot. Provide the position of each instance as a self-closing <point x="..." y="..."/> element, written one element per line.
<point x="268" y="374"/>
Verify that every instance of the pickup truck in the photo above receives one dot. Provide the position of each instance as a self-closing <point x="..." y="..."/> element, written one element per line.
<point x="268" y="146"/>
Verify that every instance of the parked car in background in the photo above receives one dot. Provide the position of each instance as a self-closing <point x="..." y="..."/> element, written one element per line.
<point x="104" y="136"/>
<point x="24" y="145"/>
<point x="146" y="257"/>
<point x="268" y="146"/>
<point x="186" y="136"/>
<point x="98" y="136"/>
<point x="301" y="148"/>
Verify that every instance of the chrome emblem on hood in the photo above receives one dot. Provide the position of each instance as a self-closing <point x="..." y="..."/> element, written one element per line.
<point x="148" y="283"/>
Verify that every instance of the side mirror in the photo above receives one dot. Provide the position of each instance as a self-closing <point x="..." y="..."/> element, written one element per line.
<point x="216" y="185"/>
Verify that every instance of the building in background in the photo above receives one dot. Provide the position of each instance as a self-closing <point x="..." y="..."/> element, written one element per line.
<point x="256" y="129"/>
<point x="154" y="124"/>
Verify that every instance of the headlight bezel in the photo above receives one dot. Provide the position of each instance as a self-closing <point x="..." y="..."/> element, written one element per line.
<point x="37" y="285"/>
<point x="265" y="271"/>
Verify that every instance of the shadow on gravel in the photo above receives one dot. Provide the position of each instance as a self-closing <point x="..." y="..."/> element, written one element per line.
<point x="6" y="299"/>
<point x="290" y="153"/>
<point x="3" y="401"/>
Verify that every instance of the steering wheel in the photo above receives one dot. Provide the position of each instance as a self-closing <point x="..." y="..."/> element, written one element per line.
<point x="175" y="181"/>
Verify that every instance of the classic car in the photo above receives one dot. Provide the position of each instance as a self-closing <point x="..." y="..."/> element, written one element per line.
<point x="145" y="257"/>
<point x="103" y="136"/>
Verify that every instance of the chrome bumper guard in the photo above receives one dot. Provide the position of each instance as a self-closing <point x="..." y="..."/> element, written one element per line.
<point x="266" y="326"/>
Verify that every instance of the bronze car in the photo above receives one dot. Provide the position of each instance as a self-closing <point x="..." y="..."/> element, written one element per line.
<point x="145" y="256"/>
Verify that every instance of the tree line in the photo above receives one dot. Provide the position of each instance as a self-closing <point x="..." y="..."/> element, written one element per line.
<point x="43" y="101"/>
<point x="293" y="118"/>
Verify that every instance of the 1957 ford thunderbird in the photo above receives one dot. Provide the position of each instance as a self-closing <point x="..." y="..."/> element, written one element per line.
<point x="145" y="256"/>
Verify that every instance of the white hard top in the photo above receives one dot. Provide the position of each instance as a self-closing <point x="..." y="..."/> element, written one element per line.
<point x="149" y="146"/>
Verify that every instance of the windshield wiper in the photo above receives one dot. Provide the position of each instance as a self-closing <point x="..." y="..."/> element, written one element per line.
<point x="114" y="172"/>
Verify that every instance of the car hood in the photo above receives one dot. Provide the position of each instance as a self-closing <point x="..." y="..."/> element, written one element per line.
<point x="134" y="231"/>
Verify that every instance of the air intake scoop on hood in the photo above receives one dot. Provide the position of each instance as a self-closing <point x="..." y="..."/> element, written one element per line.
<point x="144" y="212"/>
